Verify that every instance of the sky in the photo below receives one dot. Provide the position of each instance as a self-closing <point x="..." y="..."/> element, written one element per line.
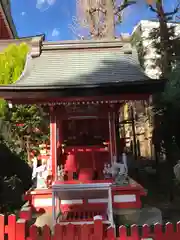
<point x="57" y="19"/>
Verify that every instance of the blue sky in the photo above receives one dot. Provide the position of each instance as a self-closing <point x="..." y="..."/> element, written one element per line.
<point x="57" y="18"/>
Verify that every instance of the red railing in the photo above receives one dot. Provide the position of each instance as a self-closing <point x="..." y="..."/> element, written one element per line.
<point x="19" y="230"/>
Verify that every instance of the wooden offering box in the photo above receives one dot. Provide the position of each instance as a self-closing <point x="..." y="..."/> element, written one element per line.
<point x="85" y="193"/>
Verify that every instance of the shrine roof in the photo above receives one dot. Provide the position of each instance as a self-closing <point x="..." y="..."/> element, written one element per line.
<point x="80" y="65"/>
<point x="91" y="63"/>
<point x="5" y="7"/>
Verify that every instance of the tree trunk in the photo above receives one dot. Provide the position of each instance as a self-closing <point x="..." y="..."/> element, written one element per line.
<point x="110" y="24"/>
<point x="28" y="149"/>
<point x="164" y="40"/>
<point x="166" y="59"/>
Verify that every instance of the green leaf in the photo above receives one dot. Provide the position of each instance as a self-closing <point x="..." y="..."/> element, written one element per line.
<point x="12" y="61"/>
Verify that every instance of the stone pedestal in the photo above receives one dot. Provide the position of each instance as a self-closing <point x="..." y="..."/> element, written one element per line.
<point x="126" y="216"/>
<point x="148" y="215"/>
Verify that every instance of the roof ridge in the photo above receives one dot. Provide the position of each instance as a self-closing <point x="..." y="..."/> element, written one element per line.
<point x="84" y="44"/>
<point x="36" y="46"/>
<point x="85" y="41"/>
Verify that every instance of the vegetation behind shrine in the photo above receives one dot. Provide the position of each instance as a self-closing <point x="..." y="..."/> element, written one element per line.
<point x="166" y="106"/>
<point x="22" y="129"/>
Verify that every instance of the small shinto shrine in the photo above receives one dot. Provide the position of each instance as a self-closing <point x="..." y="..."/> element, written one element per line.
<point x="84" y="84"/>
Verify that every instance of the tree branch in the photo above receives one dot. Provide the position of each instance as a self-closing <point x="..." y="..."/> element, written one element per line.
<point x="124" y="5"/>
<point x="176" y="10"/>
<point x="152" y="8"/>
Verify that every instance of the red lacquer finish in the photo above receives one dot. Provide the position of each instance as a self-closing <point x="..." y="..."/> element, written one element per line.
<point x="53" y="141"/>
<point x="20" y="230"/>
<point x="41" y="199"/>
<point x="5" y="32"/>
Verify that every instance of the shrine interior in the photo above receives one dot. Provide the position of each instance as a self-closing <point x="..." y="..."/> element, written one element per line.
<point x="85" y="147"/>
<point x="87" y="141"/>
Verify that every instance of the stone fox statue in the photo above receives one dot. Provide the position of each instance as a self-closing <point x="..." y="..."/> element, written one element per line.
<point x="177" y="171"/>
<point x="120" y="171"/>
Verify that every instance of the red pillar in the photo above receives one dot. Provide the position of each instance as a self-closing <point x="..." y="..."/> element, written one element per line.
<point x="112" y="134"/>
<point x="53" y="141"/>
<point x="113" y="122"/>
<point x="60" y="136"/>
<point x="59" y="140"/>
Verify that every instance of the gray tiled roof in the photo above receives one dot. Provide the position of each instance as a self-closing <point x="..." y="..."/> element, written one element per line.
<point x="84" y="66"/>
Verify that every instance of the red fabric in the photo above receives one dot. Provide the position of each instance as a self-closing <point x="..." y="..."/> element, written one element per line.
<point x="86" y="174"/>
<point x="70" y="164"/>
<point x="84" y="160"/>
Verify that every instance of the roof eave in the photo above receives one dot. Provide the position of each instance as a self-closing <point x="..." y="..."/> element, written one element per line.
<point x="9" y="22"/>
<point x="45" y="93"/>
<point x="21" y="87"/>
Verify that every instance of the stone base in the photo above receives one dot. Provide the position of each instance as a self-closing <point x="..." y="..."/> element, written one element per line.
<point x="148" y="215"/>
<point x="126" y="216"/>
<point x="44" y="219"/>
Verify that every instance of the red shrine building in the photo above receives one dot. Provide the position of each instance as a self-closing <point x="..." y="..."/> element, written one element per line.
<point x="84" y="84"/>
<point x="7" y="27"/>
